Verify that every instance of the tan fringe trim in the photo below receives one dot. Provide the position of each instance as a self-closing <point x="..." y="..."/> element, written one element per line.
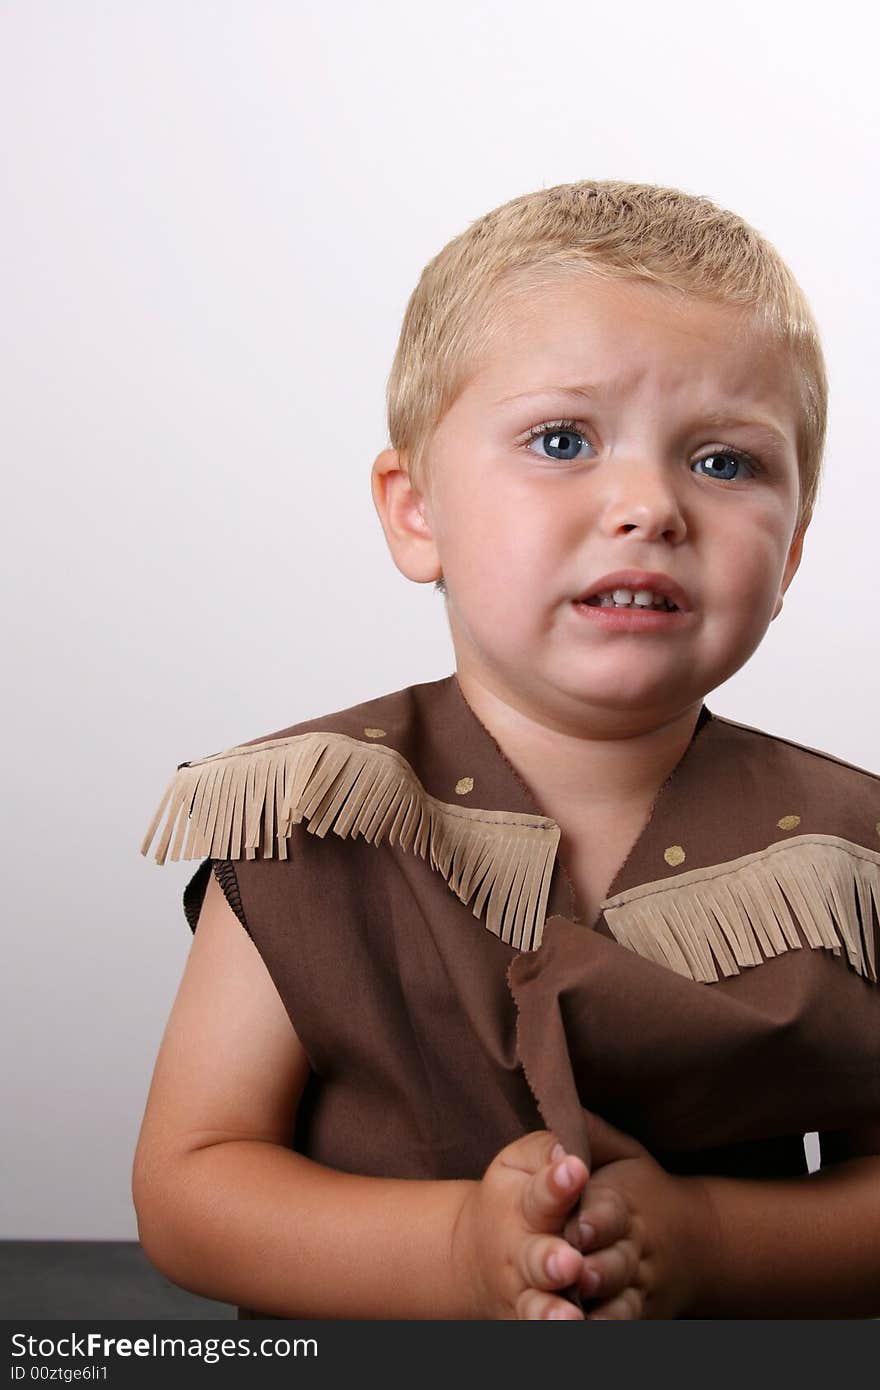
<point x="736" y="911"/>
<point x="338" y="783"/>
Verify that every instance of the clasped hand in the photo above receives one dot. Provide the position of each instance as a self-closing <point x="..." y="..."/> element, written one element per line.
<point x="642" y="1231"/>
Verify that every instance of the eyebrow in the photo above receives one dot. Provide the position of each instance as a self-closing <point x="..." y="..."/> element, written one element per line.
<point x="726" y="418"/>
<point x="579" y="389"/>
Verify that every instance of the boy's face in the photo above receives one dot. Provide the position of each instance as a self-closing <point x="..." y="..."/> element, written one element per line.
<point x="641" y="477"/>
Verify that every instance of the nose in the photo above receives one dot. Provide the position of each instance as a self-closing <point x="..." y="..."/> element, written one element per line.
<point x="641" y="499"/>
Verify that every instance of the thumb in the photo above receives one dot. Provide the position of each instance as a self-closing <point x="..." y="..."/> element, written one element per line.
<point x="529" y="1152"/>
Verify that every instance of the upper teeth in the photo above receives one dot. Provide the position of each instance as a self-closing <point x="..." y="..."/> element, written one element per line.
<point x="620" y="598"/>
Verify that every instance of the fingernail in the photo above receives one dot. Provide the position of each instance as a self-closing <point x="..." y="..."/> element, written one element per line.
<point x="557" y="1152"/>
<point x="587" y="1233"/>
<point x="565" y="1175"/>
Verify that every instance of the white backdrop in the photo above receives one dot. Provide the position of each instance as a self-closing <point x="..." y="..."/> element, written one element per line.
<point x="212" y="217"/>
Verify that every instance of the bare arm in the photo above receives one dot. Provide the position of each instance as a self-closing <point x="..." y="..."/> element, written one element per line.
<point x="249" y="1222"/>
<point x="805" y="1247"/>
<point x="226" y="1210"/>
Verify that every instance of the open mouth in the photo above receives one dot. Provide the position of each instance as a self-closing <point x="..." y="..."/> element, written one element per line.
<point x="662" y="605"/>
<point x="632" y="617"/>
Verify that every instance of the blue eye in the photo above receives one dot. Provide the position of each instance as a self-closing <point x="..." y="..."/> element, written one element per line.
<point x="732" y="455"/>
<point x="562" y="435"/>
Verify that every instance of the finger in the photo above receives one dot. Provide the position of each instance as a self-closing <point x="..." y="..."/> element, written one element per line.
<point x="629" y="1304"/>
<point x="608" y="1272"/>
<point x="535" y="1304"/>
<point x="550" y="1193"/>
<point x="547" y="1262"/>
<point x="603" y="1217"/>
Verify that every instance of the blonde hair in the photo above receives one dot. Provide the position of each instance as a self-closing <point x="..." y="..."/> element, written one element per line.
<point x="631" y="231"/>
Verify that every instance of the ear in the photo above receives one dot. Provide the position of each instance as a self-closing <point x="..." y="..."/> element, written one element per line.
<point x="406" y="518"/>
<point x="792" y="562"/>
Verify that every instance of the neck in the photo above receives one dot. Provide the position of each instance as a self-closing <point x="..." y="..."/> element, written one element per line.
<point x="604" y="763"/>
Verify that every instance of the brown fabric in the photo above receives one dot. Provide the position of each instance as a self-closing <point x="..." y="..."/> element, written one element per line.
<point x="433" y="1042"/>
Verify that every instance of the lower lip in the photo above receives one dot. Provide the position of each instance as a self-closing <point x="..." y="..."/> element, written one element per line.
<point x="632" y="619"/>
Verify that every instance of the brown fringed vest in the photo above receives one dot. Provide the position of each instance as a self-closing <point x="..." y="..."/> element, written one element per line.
<point x="723" y="1004"/>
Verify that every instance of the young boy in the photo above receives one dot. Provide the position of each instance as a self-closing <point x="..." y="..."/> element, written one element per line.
<point x="607" y="415"/>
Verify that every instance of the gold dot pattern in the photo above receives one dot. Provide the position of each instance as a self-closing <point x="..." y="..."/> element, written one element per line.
<point x="464" y="785"/>
<point x="674" y="854"/>
<point x="788" y="822"/>
<point x="374" y="733"/>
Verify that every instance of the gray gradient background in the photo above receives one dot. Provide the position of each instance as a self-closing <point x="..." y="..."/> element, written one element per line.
<point x="212" y="215"/>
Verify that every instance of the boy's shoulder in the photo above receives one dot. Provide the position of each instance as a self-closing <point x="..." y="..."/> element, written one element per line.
<point x="387" y="717"/>
<point x="240" y="800"/>
<point x="812" y="790"/>
<point x="817" y="761"/>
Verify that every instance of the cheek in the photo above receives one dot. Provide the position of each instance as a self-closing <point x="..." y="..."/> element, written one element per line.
<point x="754" y="560"/>
<point x="500" y="543"/>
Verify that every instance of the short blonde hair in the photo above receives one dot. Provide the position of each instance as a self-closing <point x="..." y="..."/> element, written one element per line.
<point x="631" y="231"/>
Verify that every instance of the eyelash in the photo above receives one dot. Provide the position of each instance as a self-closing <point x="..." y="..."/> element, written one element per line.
<point x="573" y="427"/>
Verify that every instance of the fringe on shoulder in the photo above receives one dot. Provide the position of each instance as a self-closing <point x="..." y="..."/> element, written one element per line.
<point x="745" y="911"/>
<point x="250" y="797"/>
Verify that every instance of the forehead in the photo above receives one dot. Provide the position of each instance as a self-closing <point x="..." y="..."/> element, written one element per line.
<point x="621" y="338"/>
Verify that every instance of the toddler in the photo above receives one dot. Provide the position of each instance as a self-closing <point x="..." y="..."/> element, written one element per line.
<point x="513" y="994"/>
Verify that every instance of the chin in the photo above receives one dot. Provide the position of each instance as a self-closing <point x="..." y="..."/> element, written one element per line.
<point x="633" y="699"/>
